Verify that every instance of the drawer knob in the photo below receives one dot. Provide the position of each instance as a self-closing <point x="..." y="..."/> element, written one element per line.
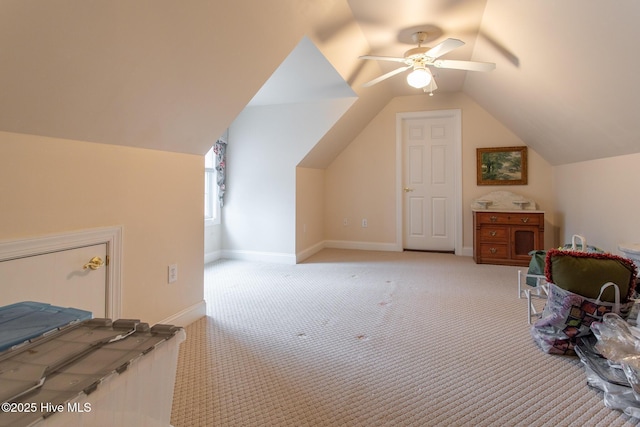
<point x="493" y="218"/>
<point x="525" y="219"/>
<point x="493" y="250"/>
<point x="493" y="233"/>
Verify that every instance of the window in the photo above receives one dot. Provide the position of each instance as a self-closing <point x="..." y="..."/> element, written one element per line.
<point x="211" y="205"/>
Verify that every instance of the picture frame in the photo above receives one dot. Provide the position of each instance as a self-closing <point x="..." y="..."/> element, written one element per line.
<point x="502" y="166"/>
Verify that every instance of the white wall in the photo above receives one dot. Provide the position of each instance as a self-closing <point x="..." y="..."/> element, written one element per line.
<point x="265" y="145"/>
<point x="599" y="199"/>
<point x="212" y="241"/>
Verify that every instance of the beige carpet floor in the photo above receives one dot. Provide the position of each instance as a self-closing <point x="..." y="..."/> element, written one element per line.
<point x="358" y="338"/>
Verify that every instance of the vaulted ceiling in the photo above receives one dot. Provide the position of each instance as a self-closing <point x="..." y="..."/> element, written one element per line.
<point x="173" y="75"/>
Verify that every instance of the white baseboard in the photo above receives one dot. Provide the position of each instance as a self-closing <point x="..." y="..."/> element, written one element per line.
<point x="301" y="256"/>
<point x="363" y="246"/>
<point x="212" y="256"/>
<point x="274" y="257"/>
<point x="187" y="316"/>
<point x="373" y="246"/>
<point x="284" y="258"/>
<point x="467" y="251"/>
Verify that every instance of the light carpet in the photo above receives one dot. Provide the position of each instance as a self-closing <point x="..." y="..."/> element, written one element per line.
<point x="358" y="338"/>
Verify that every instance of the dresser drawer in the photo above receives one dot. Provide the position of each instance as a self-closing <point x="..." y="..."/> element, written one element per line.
<point x="491" y="218"/>
<point x="488" y="250"/>
<point x="523" y="218"/>
<point x="491" y="233"/>
<point x="507" y="218"/>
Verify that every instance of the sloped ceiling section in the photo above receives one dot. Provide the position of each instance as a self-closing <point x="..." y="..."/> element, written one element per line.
<point x="166" y="75"/>
<point x="304" y="76"/>
<point x="174" y="75"/>
<point x="566" y="77"/>
<point x="573" y="94"/>
<point x="157" y="74"/>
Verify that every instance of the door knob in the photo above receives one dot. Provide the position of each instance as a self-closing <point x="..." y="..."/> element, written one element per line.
<point x="407" y="189"/>
<point x="94" y="263"/>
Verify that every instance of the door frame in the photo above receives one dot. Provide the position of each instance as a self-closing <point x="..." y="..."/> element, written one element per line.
<point x="456" y="115"/>
<point x="112" y="236"/>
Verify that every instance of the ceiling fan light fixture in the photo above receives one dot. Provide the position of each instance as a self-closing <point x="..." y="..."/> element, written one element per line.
<point x="419" y="78"/>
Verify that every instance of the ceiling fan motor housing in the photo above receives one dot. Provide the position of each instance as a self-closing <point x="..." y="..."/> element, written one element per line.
<point x="419" y="37"/>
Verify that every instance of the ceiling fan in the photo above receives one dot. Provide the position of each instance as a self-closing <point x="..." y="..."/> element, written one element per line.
<point x="421" y="58"/>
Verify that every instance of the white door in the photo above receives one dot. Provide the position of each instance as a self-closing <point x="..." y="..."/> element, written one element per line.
<point x="58" y="278"/>
<point x="429" y="188"/>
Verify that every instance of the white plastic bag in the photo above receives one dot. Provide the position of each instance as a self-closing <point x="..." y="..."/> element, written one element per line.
<point x="568" y="316"/>
<point x="621" y="348"/>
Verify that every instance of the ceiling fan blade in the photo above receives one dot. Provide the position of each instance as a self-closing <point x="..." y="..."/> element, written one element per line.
<point x="444" y="47"/>
<point x="386" y="76"/>
<point x="382" y="58"/>
<point x="464" y="65"/>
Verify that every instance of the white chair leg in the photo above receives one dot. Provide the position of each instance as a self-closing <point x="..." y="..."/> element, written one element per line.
<point x="520" y="284"/>
<point x="529" y="305"/>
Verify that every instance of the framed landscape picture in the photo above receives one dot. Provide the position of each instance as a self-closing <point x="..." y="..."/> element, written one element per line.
<point x="502" y="166"/>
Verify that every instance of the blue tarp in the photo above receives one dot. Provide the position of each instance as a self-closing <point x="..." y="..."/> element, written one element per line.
<point x="23" y="321"/>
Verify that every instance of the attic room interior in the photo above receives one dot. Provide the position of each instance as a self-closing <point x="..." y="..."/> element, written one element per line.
<point x="109" y="107"/>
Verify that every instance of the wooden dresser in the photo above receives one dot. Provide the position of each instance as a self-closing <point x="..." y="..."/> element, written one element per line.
<point x="506" y="237"/>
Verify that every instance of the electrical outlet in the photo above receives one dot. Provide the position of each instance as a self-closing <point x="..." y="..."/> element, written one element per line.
<point x="365" y="224"/>
<point x="173" y="273"/>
